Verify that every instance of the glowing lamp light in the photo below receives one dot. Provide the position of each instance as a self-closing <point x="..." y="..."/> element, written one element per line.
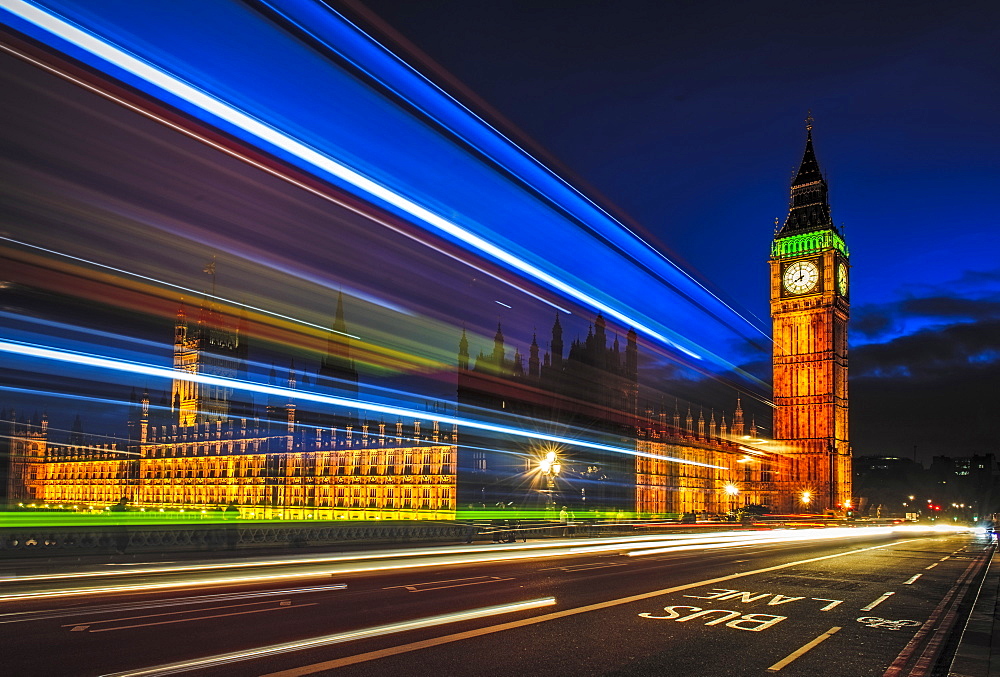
<point x="806" y="497"/>
<point x="550" y="464"/>
<point x="731" y="489"/>
<point x="847" y="504"/>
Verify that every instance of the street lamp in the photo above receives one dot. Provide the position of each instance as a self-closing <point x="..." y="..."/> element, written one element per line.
<point x="806" y="498"/>
<point x="732" y="491"/>
<point x="550" y="467"/>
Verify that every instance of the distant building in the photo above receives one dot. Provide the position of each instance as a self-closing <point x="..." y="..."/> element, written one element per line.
<point x="884" y="484"/>
<point x="973" y="481"/>
<point x="202" y="447"/>
<point x="666" y="467"/>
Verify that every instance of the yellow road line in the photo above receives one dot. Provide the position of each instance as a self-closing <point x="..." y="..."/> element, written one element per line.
<point x="803" y="649"/>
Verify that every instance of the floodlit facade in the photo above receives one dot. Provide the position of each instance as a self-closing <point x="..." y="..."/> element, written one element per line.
<point x="201" y="449"/>
<point x="810" y="306"/>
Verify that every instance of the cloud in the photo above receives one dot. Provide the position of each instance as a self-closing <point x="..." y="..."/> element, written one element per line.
<point x="872" y="321"/>
<point x="911" y="314"/>
<point x="951" y="307"/>
<point x="927" y="354"/>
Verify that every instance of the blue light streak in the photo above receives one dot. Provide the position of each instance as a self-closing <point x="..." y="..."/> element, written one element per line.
<point x="407" y="173"/>
<point x="193" y="292"/>
<point x="107" y="363"/>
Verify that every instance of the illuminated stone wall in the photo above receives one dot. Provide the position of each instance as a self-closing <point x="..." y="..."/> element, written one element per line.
<point x="683" y="473"/>
<point x="200" y="468"/>
<point x="810" y="384"/>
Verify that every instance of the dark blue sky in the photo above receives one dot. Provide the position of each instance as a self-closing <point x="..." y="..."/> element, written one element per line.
<point x="687" y="117"/>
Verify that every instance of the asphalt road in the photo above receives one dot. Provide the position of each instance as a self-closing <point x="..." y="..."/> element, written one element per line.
<point x="851" y="608"/>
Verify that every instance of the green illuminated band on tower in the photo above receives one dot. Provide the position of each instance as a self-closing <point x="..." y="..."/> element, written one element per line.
<point x="808" y="243"/>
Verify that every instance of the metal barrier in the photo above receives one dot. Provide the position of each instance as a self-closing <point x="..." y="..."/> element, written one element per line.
<point x="25" y="541"/>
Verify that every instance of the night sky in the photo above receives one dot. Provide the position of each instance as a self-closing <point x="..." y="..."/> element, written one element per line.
<point x="687" y="118"/>
<point x="683" y="118"/>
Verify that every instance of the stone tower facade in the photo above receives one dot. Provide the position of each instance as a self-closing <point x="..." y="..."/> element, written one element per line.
<point x="810" y="306"/>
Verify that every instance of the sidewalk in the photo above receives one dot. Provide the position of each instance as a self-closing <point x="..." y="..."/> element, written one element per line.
<point x="978" y="653"/>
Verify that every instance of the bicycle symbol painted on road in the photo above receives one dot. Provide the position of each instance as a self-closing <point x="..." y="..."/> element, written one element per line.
<point x="876" y="622"/>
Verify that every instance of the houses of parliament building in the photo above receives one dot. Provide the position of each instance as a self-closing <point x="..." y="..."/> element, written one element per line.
<point x="202" y="447"/>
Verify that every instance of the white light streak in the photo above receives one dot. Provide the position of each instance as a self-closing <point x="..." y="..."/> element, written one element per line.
<point x="88" y="360"/>
<point x="164" y="283"/>
<point x="215" y="573"/>
<point x="325" y="640"/>
<point x="223" y="111"/>
<point x="761" y="538"/>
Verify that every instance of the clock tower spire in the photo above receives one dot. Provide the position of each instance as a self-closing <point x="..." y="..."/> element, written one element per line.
<point x="809" y="312"/>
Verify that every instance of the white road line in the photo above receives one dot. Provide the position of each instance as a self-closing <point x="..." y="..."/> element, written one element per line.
<point x="457" y="583"/>
<point x="436" y="641"/>
<point x="491" y="579"/>
<point x="563" y="567"/>
<point x="449" y="580"/>
<point x="803" y="649"/>
<point x="912" y="580"/>
<point x="878" y="601"/>
<point x="931" y="566"/>
<point x="203" y="618"/>
<point x="944" y="558"/>
<point x="169" y="613"/>
<point x="585" y="567"/>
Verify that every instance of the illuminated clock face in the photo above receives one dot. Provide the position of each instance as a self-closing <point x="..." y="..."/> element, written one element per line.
<point x="842" y="279"/>
<point x="800" y="277"/>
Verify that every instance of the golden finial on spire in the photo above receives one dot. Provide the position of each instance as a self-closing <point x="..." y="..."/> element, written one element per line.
<point x="809" y="120"/>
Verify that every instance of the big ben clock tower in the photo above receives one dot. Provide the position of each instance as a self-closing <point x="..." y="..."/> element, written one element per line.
<point x="809" y="310"/>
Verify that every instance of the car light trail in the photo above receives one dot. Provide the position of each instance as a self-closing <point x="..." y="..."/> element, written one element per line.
<point x="268" y="134"/>
<point x="637" y="546"/>
<point x="284" y="176"/>
<point x="605" y="544"/>
<point x="86" y="360"/>
<point x="193" y="292"/>
<point x="779" y="537"/>
<point x="26" y="616"/>
<point x="325" y="640"/>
